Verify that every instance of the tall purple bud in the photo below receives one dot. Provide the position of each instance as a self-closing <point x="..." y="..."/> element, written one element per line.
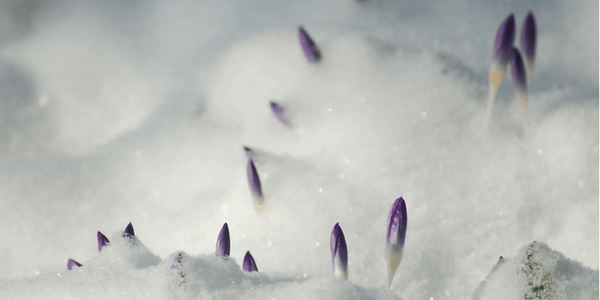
<point x="223" y="243"/>
<point x="396" y="235"/>
<point x="309" y="47"/>
<point x="279" y="112"/>
<point x="519" y="77"/>
<point x="249" y="264"/>
<point x="129" y="231"/>
<point x="255" y="189"/>
<point x="72" y="264"/>
<point x="505" y="39"/>
<point x="102" y="241"/>
<point x="529" y="42"/>
<point x="339" y="253"/>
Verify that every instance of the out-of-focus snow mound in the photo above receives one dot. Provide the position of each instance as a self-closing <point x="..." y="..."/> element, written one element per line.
<point x="538" y="272"/>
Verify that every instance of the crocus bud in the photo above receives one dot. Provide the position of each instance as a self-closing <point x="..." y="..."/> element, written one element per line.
<point x="309" y="47"/>
<point x="278" y="111"/>
<point x="519" y="78"/>
<point x="396" y="234"/>
<point x="249" y="264"/>
<point x="71" y="264"/>
<point x="505" y="39"/>
<point x="339" y="253"/>
<point x="129" y="231"/>
<point x="102" y="241"/>
<point x="223" y="244"/>
<point x="529" y="42"/>
<point x="255" y="189"/>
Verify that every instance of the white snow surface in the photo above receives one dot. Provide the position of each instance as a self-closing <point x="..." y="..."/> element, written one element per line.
<point x="116" y="112"/>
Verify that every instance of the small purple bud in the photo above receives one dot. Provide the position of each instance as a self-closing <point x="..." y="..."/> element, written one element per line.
<point x="248" y="152"/>
<point x="309" y="47"/>
<point x="129" y="231"/>
<point x="505" y="39"/>
<point x="254" y="182"/>
<point x="102" y="241"/>
<point x="396" y="235"/>
<point x="71" y="264"/>
<point x="280" y="113"/>
<point x="339" y="253"/>
<point x="249" y="264"/>
<point x="519" y="77"/>
<point x="529" y="42"/>
<point x="222" y="248"/>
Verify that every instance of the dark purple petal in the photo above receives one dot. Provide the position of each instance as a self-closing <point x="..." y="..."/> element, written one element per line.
<point x="309" y="47"/>
<point x="396" y="224"/>
<point x="129" y="231"/>
<point x="222" y="248"/>
<point x="519" y="75"/>
<point x="71" y="264"/>
<point x="396" y="235"/>
<point x="339" y="252"/>
<point x="529" y="41"/>
<point x="505" y="39"/>
<point x="279" y="113"/>
<point x="255" y="189"/>
<point x="102" y="241"/>
<point x="249" y="264"/>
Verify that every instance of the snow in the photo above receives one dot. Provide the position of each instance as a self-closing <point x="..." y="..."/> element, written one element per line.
<point x="138" y="112"/>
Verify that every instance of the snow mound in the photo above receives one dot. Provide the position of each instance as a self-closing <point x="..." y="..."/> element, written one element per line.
<point x="538" y="272"/>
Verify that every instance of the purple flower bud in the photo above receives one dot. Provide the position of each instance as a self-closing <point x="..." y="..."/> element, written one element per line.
<point x="519" y="77"/>
<point x="222" y="248"/>
<point x="254" y="182"/>
<point x="249" y="264"/>
<point x="129" y="231"/>
<point x="309" y="47"/>
<point x="279" y="113"/>
<point x="71" y="264"/>
<point x="505" y="39"/>
<point x="102" y="241"/>
<point x="339" y="253"/>
<point x="396" y="234"/>
<point x="529" y="42"/>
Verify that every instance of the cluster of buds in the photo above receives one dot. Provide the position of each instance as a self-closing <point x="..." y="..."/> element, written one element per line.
<point x="505" y="53"/>
<point x="103" y="242"/>
<point x="223" y="249"/>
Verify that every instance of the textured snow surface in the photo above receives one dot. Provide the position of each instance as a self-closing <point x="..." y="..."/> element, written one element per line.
<point x="138" y="112"/>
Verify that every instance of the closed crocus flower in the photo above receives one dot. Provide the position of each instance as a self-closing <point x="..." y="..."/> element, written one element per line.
<point x="505" y="39"/>
<point x="279" y="112"/>
<point x="529" y="42"/>
<point x="72" y="264"/>
<point x="396" y="235"/>
<point x="102" y="241"/>
<point x="249" y="265"/>
<point x="519" y="78"/>
<point x="255" y="188"/>
<point x="309" y="47"/>
<point x="223" y="243"/>
<point x="128" y="232"/>
<point x="339" y="253"/>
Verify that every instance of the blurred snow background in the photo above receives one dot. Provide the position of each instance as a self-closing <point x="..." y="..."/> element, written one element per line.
<point x="115" y="112"/>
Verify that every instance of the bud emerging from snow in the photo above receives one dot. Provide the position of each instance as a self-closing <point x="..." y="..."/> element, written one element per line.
<point x="339" y="253"/>
<point x="279" y="113"/>
<point x="249" y="264"/>
<point x="505" y="38"/>
<point x="529" y="42"/>
<point x="129" y="231"/>
<point x="222" y="248"/>
<point x="102" y="241"/>
<point x="396" y="234"/>
<point x="71" y="264"/>
<point x="519" y="78"/>
<point x="255" y="189"/>
<point x="309" y="47"/>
